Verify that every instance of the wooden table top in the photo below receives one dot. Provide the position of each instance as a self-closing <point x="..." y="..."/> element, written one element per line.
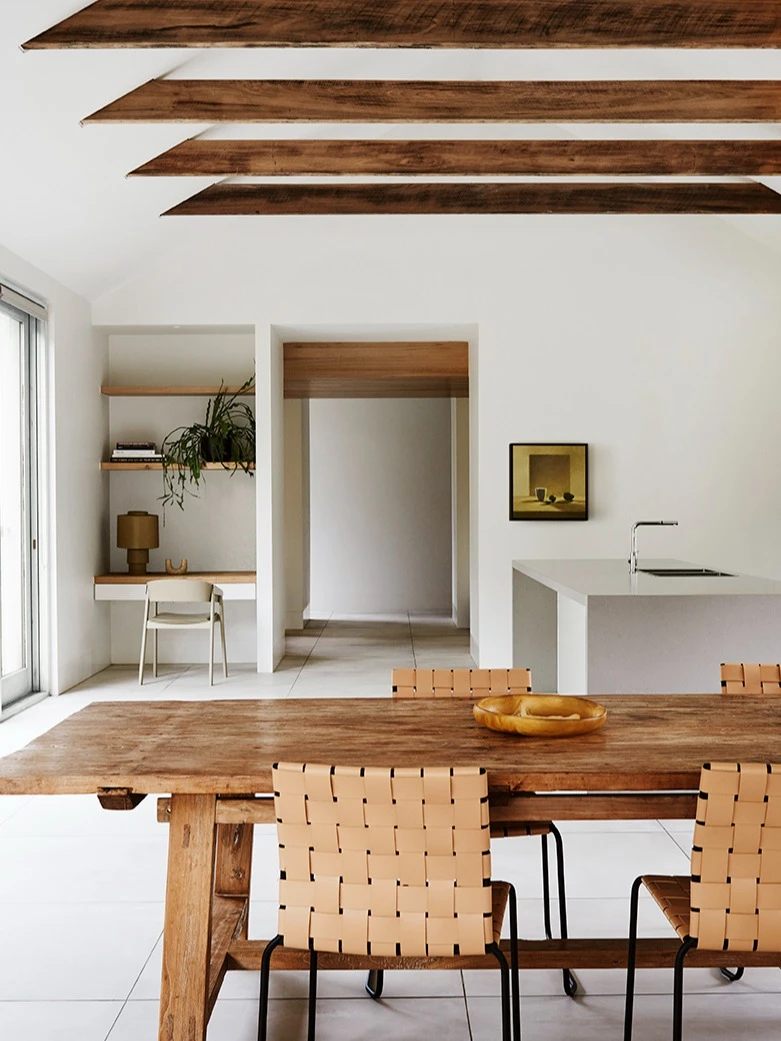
<point x="650" y="742"/>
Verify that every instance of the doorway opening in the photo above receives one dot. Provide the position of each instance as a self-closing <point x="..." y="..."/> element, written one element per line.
<point x="376" y="472"/>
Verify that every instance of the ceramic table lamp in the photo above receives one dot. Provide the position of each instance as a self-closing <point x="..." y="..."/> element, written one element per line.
<point x="137" y="532"/>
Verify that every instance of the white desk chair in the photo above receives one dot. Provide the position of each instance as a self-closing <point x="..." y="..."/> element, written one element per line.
<point x="182" y="591"/>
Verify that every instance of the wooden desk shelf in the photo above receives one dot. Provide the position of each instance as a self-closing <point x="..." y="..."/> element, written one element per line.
<point x="119" y="585"/>
<point x="174" y="392"/>
<point x="159" y="466"/>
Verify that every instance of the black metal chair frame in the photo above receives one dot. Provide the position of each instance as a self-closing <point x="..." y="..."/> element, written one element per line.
<point x="511" y="995"/>
<point x="687" y="945"/>
<point x="375" y="979"/>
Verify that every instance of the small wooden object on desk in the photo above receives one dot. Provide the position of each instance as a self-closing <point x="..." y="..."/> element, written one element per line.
<point x="171" y="570"/>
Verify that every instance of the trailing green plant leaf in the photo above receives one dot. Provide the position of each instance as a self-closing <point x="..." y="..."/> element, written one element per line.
<point x="226" y="436"/>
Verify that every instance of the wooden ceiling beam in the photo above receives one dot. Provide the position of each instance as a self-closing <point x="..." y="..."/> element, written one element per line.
<point x="451" y="101"/>
<point x="470" y="158"/>
<point x="460" y="197"/>
<point x="411" y="23"/>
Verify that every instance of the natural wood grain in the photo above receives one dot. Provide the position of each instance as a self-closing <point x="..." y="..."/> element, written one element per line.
<point x="580" y="953"/>
<point x="188" y="908"/>
<point x="462" y="197"/>
<point x="232" y="877"/>
<point x="159" y="466"/>
<point x="230" y="916"/>
<point x="650" y="743"/>
<point x="234" y="859"/>
<point x="643" y="806"/>
<point x="220" y="578"/>
<point x="504" y="807"/>
<point x="450" y="101"/>
<point x="153" y="392"/>
<point x="119" y="799"/>
<point x="218" y="158"/>
<point x="376" y="369"/>
<point x="409" y="23"/>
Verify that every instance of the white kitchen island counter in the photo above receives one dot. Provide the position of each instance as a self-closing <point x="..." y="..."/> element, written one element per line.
<point x="588" y="626"/>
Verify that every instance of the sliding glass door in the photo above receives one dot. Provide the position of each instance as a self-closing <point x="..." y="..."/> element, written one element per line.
<point x="19" y="654"/>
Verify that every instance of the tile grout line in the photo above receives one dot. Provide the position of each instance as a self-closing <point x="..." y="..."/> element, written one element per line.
<point x="133" y="986"/>
<point x="466" y="1006"/>
<point x="309" y="655"/>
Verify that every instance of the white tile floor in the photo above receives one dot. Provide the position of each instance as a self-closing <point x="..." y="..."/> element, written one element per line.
<point x="81" y="895"/>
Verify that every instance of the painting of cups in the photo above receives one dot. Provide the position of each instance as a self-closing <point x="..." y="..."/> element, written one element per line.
<point x="548" y="482"/>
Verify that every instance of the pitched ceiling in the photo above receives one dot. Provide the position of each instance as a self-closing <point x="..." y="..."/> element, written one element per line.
<point x="67" y="206"/>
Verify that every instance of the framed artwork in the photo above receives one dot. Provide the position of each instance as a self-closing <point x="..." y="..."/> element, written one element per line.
<point x="549" y="482"/>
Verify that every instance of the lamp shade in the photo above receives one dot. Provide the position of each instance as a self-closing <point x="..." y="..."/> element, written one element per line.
<point x="138" y="529"/>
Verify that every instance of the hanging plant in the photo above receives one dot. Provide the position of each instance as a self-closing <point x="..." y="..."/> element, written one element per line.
<point x="226" y="436"/>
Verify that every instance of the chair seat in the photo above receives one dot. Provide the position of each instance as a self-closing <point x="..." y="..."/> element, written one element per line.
<point x="166" y="618"/>
<point x="519" y="829"/>
<point x="673" y="895"/>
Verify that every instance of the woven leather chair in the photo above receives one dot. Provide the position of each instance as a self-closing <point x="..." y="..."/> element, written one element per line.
<point x="390" y="863"/>
<point x="482" y="683"/>
<point x="730" y="902"/>
<point x="750" y="678"/>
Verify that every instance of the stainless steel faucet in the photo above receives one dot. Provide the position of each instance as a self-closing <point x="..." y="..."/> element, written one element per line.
<point x="633" y="548"/>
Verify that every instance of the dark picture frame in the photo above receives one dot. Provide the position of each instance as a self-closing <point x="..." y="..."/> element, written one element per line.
<point x="548" y="481"/>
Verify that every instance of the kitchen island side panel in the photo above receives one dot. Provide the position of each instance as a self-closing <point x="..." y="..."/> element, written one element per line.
<point x="534" y="631"/>
<point x="675" y="644"/>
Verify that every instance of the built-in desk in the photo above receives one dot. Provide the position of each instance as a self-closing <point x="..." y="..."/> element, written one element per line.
<point x="235" y="585"/>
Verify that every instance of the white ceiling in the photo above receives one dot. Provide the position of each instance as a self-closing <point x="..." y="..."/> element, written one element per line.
<point x="65" y="202"/>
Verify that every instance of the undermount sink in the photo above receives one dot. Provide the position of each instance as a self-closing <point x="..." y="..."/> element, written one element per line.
<point x="684" y="572"/>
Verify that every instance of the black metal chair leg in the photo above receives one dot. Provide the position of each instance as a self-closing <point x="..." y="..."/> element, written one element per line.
<point x="631" y="958"/>
<point x="265" y="965"/>
<point x="514" y="978"/>
<point x="569" y="981"/>
<point x="546" y="889"/>
<point x="504" y="969"/>
<point x="733" y="975"/>
<point x="374" y="983"/>
<point x="680" y="957"/>
<point x="310" y="1030"/>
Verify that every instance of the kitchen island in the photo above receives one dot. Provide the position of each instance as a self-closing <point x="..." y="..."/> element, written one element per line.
<point x="588" y="626"/>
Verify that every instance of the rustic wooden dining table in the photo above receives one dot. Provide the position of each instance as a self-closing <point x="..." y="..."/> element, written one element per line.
<point x="212" y="761"/>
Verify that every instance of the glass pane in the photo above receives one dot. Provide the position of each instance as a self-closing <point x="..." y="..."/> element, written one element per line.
<point x="13" y="596"/>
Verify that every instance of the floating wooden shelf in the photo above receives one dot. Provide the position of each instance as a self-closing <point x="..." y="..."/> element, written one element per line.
<point x="159" y="466"/>
<point x="218" y="577"/>
<point x="182" y="392"/>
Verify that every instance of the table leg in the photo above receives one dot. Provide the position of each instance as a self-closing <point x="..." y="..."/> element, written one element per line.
<point x="188" y="908"/>
<point x="234" y="863"/>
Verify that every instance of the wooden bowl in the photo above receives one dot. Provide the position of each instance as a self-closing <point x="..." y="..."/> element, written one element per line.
<point x="540" y="715"/>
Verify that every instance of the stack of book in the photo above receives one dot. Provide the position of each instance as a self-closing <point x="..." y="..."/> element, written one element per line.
<point x="136" y="452"/>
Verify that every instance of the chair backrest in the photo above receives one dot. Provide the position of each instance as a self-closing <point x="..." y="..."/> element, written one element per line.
<point x="179" y="590"/>
<point x="736" y="858"/>
<point x="382" y="861"/>
<point x="748" y="678"/>
<point x="460" y="683"/>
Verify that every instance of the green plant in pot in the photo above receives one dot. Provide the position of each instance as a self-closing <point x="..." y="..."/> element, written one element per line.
<point x="226" y="436"/>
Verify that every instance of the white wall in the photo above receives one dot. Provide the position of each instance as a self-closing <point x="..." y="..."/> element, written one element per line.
<point x="380" y="505"/>
<point x="654" y="339"/>
<point x="78" y="642"/>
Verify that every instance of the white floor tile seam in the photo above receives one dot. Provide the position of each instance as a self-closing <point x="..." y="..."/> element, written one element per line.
<point x="307" y="657"/>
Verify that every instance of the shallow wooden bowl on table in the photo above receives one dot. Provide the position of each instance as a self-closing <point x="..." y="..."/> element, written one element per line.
<point x="540" y="715"/>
